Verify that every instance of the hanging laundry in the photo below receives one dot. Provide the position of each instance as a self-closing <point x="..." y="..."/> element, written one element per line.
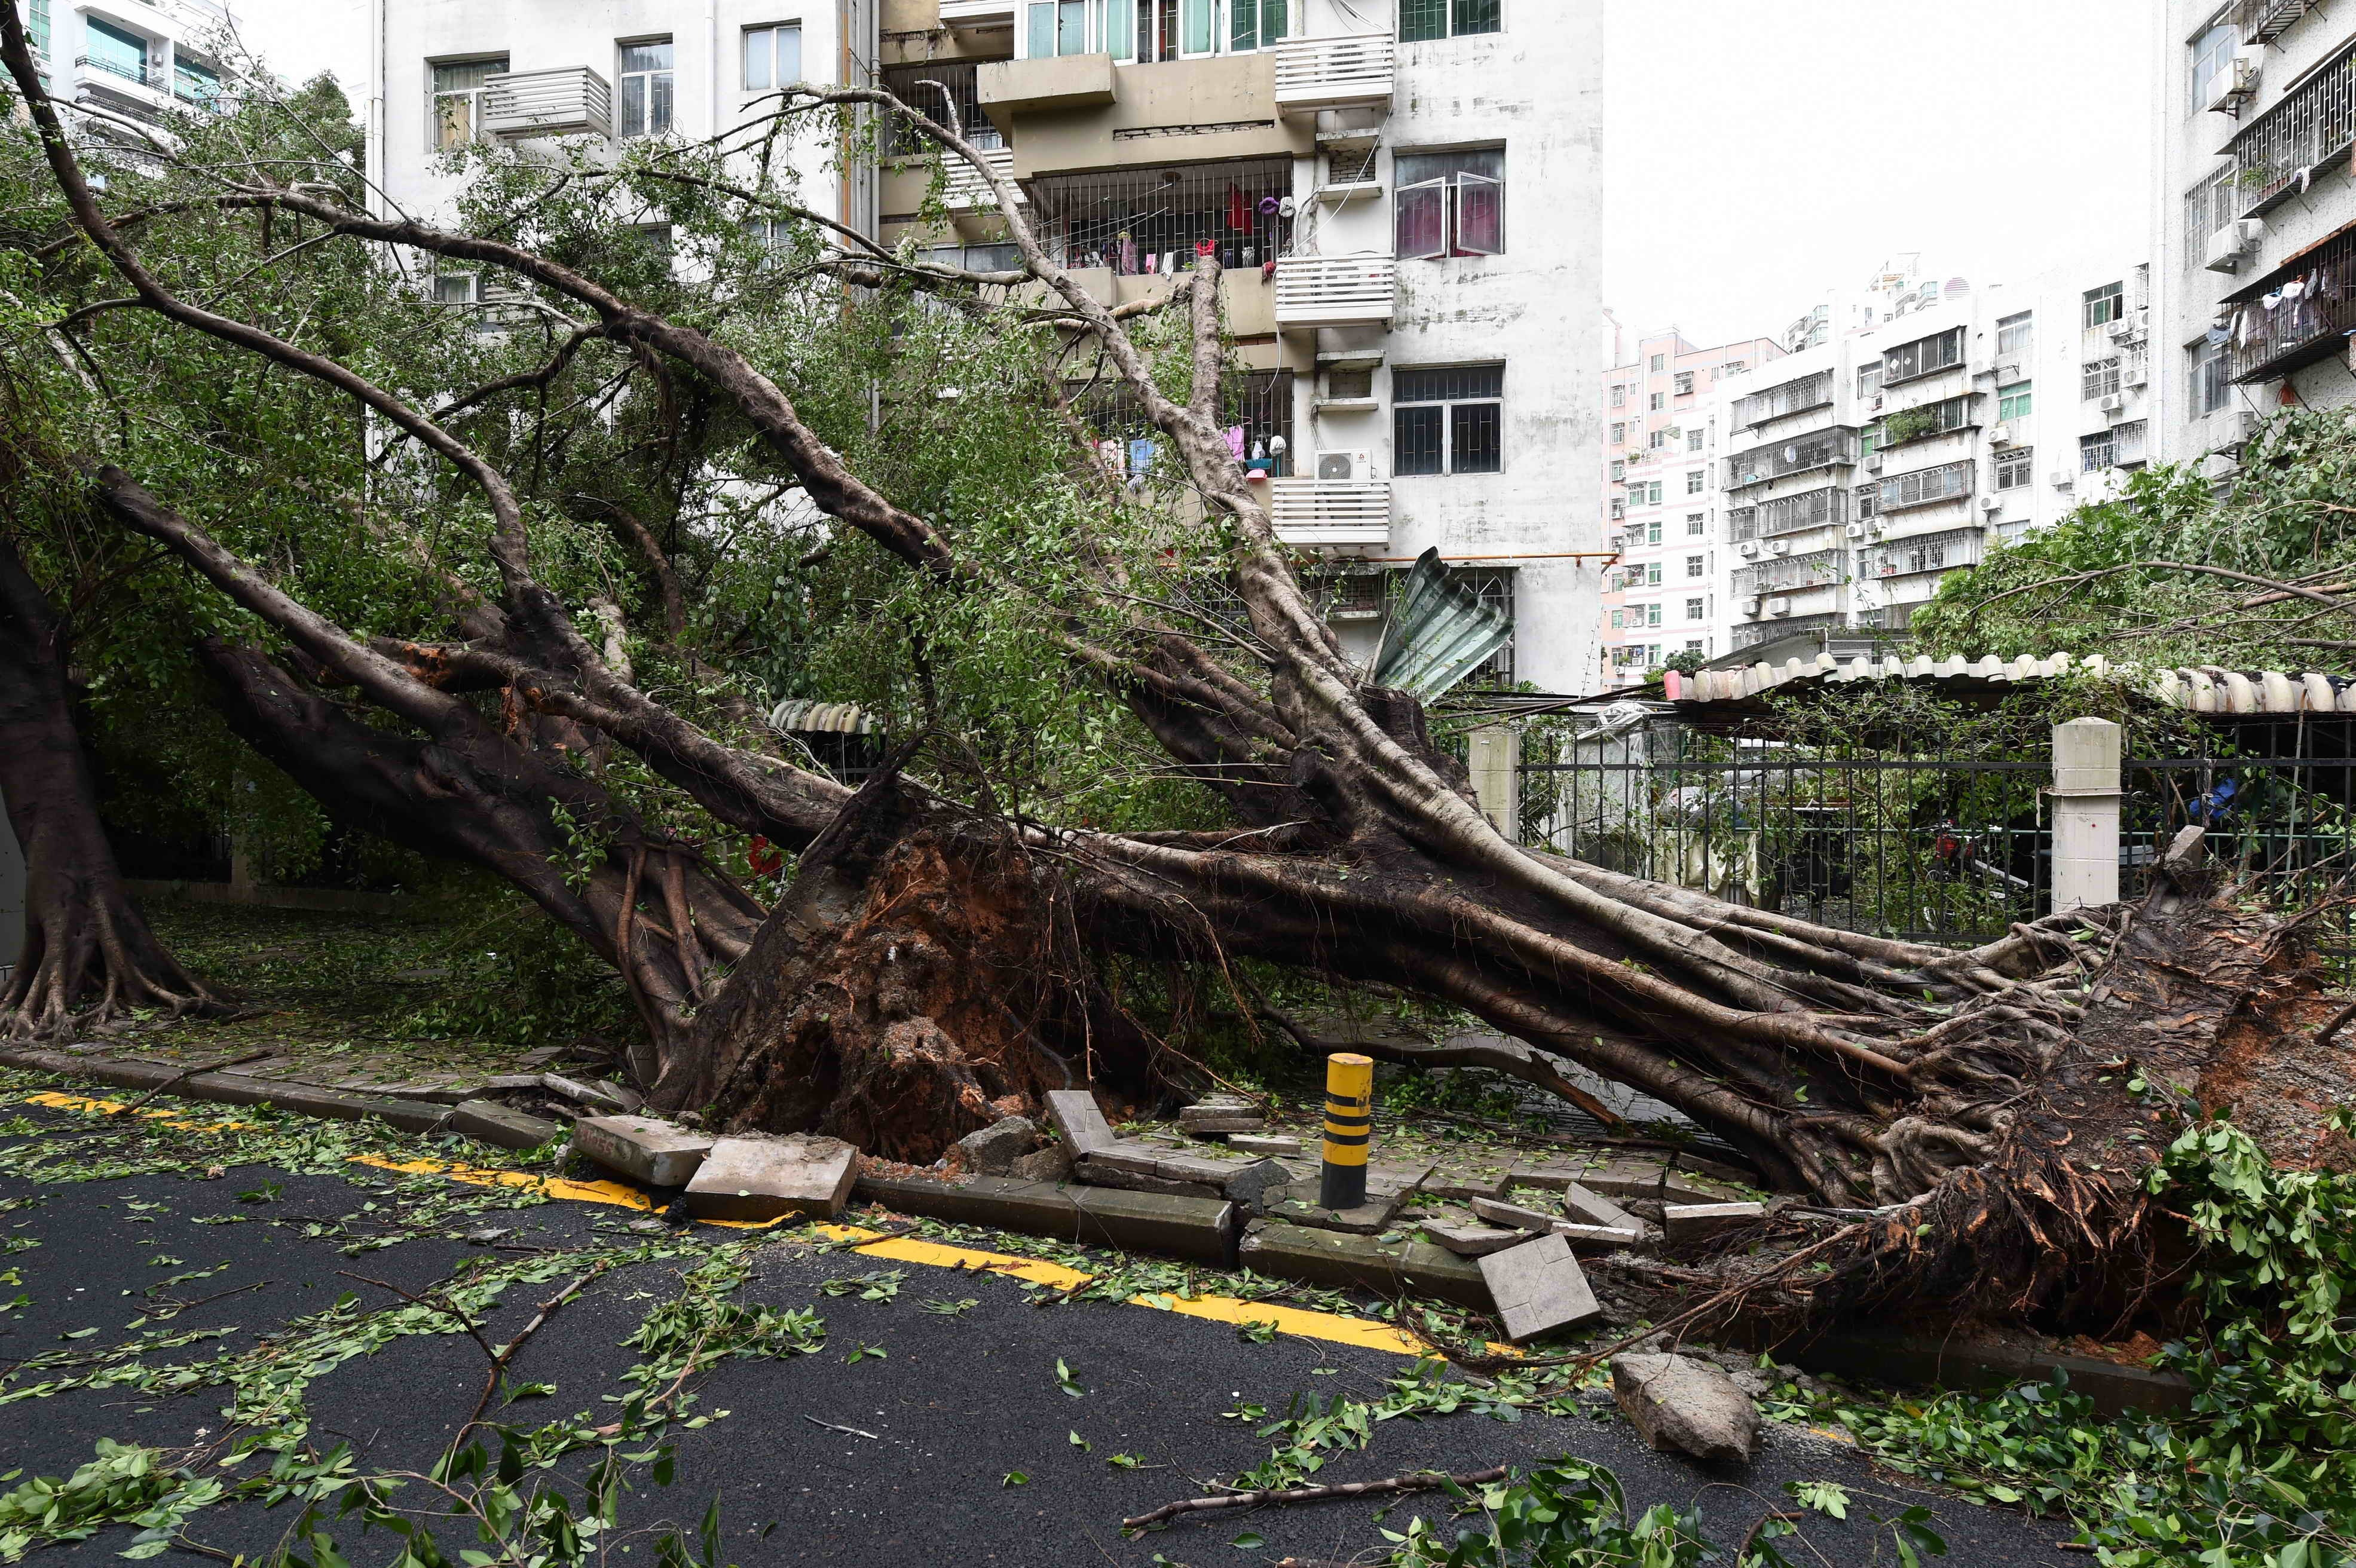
<point x="1128" y="254"/>
<point x="1238" y="209"/>
<point x="1153" y="263"/>
<point x="1236" y="441"/>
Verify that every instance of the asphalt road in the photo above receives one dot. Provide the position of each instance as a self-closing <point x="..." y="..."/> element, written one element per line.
<point x="935" y="1426"/>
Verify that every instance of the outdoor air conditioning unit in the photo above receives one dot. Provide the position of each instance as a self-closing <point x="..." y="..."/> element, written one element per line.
<point x="2001" y="435"/>
<point x="1779" y="605"/>
<point x="1991" y="502"/>
<point x="1750" y="606"/>
<point x="1748" y="550"/>
<point x="2237" y="82"/>
<point x="2115" y="403"/>
<point x="1855" y="531"/>
<point x="1873" y="463"/>
<point x="1345" y="468"/>
<point x="2139" y="372"/>
<point x="1778" y="546"/>
<point x="2061" y="479"/>
<point x="2128" y="329"/>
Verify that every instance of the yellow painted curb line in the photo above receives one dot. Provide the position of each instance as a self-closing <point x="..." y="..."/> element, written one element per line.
<point x="1331" y="1327"/>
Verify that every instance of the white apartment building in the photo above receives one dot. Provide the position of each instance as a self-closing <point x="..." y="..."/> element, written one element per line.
<point x="1867" y="466"/>
<point x="1664" y="472"/>
<point x="127" y="61"/>
<point x="2256" y="224"/>
<point x="1405" y="195"/>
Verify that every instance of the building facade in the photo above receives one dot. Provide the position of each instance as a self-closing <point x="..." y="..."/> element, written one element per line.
<point x="2256" y="220"/>
<point x="1663" y="445"/>
<point x="1864" y="469"/>
<point x="125" y="63"/>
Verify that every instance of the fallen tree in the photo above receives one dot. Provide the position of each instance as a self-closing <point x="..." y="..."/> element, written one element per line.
<point x="937" y="958"/>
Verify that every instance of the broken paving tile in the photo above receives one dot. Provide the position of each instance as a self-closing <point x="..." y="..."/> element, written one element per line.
<point x="1268" y="1143"/>
<point x="1538" y="1287"/>
<point x="1579" y="1235"/>
<point x="1693" y="1221"/>
<point x="763" y="1179"/>
<point x="1590" y="1207"/>
<point x="642" y="1147"/>
<point x="1535" y="1220"/>
<point x="1079" y="1122"/>
<point x="1473" y="1241"/>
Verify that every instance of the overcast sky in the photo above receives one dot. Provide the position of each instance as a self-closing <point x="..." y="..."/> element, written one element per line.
<point x="1758" y="153"/>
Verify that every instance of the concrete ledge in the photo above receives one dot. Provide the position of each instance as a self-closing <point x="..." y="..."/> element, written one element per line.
<point x="1889" y="1358"/>
<point x="509" y="1130"/>
<point x="1335" y="1258"/>
<point x="1198" y="1228"/>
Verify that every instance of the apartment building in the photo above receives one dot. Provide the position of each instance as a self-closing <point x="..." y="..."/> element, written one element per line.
<point x="447" y="72"/>
<point x="2256" y="224"/>
<point x="1864" y="469"/>
<point x="126" y="62"/>
<point x="1663" y="434"/>
<point x="1404" y="196"/>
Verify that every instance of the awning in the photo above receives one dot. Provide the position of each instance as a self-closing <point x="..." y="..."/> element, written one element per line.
<point x="801" y="716"/>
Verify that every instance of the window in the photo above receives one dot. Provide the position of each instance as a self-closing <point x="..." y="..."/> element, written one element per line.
<point x="1620" y="396"/>
<point x="40" y="26"/>
<point x="1869" y="379"/>
<point x="1693" y="440"/>
<point x="1451" y="204"/>
<point x="1685" y="384"/>
<point x="1793" y="397"/>
<point x="453" y="288"/>
<point x="1868" y="502"/>
<point x="1659" y="401"/>
<point x="116" y="50"/>
<point x="1926" y="487"/>
<point x="1735" y="367"/>
<point x="193" y="82"/>
<point x="2213" y="386"/>
<point x="1652" y="580"/>
<point x="1868" y="440"/>
<point x="2213" y="55"/>
<point x="2016" y="401"/>
<point x="1696" y="524"/>
<point x="1660" y="362"/>
<point x="2101" y="378"/>
<point x="1920" y="423"/>
<point x="1619" y="471"/>
<point x="1660" y="438"/>
<point x="1618" y="508"/>
<point x="971" y="258"/>
<point x="1619" y="434"/>
<point x="2015" y="466"/>
<point x="1697" y="565"/>
<point x="1652" y="531"/>
<point x="2096" y="453"/>
<point x="1424" y="19"/>
<point x="773" y="57"/>
<point x="458" y="99"/>
<point x="645" y="88"/>
<point x="2105" y="305"/>
<point x="1923" y="356"/>
<point x="1252" y="22"/>
<point x="2210" y="205"/>
<point x="1697" y="609"/>
<point x="1653" y="493"/>
<point x="1452" y="420"/>
<point x="2014" y="334"/>
<point x="1619" y="620"/>
<point x="1694" y="482"/>
<point x="948" y="93"/>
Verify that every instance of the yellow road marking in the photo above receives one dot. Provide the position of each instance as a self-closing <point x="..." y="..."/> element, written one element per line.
<point x="1333" y="1328"/>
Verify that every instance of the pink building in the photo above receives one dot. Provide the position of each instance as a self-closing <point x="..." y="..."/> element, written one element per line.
<point x="1664" y="433"/>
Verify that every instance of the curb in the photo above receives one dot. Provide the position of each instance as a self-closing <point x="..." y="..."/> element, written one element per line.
<point x="481" y="1119"/>
<point x="1203" y="1229"/>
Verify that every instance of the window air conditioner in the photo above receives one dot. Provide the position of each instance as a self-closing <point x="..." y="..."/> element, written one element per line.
<point x="1855" y="530"/>
<point x="2140" y="373"/>
<point x="2127" y="329"/>
<point x="1750" y="606"/>
<point x="2001" y="435"/>
<point x="2236" y="82"/>
<point x="1873" y="463"/>
<point x="1348" y="467"/>
<point x="2116" y="403"/>
<point x="1779" y="605"/>
<point x="1748" y="550"/>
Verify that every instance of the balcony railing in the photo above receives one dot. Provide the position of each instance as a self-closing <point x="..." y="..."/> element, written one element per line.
<point x="967" y="191"/>
<point x="2265" y="345"/>
<point x="1788" y="514"/>
<point x="1359" y="290"/>
<point x="977" y="13"/>
<point x="116" y="68"/>
<point x="1330" y="513"/>
<point x="1827" y="448"/>
<point x="1924" y="487"/>
<point x="1942" y="551"/>
<point x="568" y="101"/>
<point x="2264" y="21"/>
<point x="1354" y="71"/>
<point x="1793" y="397"/>
<point x="1822" y="568"/>
<point x="2303" y="135"/>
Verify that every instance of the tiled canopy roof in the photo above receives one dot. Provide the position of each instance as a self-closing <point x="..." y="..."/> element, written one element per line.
<point x="2206" y="689"/>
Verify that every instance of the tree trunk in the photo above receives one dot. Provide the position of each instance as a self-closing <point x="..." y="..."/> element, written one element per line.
<point x="89" y="956"/>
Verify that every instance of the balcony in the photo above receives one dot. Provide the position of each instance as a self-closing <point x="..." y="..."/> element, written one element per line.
<point x="1827" y="508"/>
<point x="966" y="191"/>
<point x="1353" y="71"/>
<point x="1797" y="573"/>
<point x="2309" y="131"/>
<point x="1835" y="447"/>
<point x="1313" y="292"/>
<point x="2267" y="345"/>
<point x="569" y="101"/>
<point x="1781" y="403"/>
<point x="1331" y="513"/>
<point x="2264" y="21"/>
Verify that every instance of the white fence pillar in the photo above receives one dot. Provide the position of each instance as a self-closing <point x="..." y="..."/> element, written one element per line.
<point x="1495" y="758"/>
<point x="2086" y="788"/>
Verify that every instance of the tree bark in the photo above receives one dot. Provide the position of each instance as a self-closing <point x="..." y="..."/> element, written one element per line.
<point x="90" y="956"/>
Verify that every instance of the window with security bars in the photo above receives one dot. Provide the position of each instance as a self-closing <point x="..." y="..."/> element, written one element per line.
<point x="1922" y="424"/>
<point x="1449" y="420"/>
<point x="645" y="95"/>
<point x="2100" y="379"/>
<point x="2213" y="377"/>
<point x="2105" y="305"/>
<point x="948" y="93"/>
<point x="1422" y="20"/>
<point x="458" y="99"/>
<point x="2096" y="453"/>
<point x="1451" y="204"/>
<point x="1141" y="222"/>
<point x="1867" y="500"/>
<point x="1927" y="486"/>
<point x="1923" y="356"/>
<point x="1254" y="413"/>
<point x="2015" y="467"/>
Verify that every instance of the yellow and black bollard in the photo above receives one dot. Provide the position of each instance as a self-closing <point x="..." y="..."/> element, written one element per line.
<point x="1349" y="1129"/>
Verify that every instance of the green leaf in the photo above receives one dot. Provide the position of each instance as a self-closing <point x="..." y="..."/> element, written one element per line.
<point x="1015" y="1478"/>
<point x="1247" y="1540"/>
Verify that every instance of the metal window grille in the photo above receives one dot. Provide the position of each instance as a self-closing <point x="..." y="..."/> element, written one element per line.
<point x="1451" y="420"/>
<point x="1923" y="552"/>
<point x="1258" y="402"/>
<point x="2213" y="380"/>
<point x="1789" y="514"/>
<point x="2016" y="468"/>
<point x="1832" y="447"/>
<point x="1750" y="634"/>
<point x="2096" y="453"/>
<point x="2099" y="379"/>
<point x="948" y="93"/>
<point x="1924" y="357"/>
<point x="1421" y="20"/>
<point x="2267" y="343"/>
<point x="1867" y="500"/>
<point x="2309" y="131"/>
<point x="1793" y="397"/>
<point x="1926" y="487"/>
<point x="1818" y="568"/>
<point x="1920" y="424"/>
<point x="1138" y="221"/>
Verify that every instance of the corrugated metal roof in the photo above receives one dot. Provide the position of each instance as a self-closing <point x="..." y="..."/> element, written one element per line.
<point x="2205" y="690"/>
<point x="802" y="716"/>
<point x="1441" y="634"/>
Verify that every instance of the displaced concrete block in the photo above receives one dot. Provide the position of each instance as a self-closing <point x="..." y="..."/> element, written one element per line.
<point x="1590" y="1207"/>
<point x="994" y="1150"/>
<point x="644" y="1148"/>
<point x="1201" y="1229"/>
<point x="1679" y="1403"/>
<point x="763" y="1179"/>
<point x="1538" y="1289"/>
<point x="1097" y="1173"/>
<point x="1547" y="1175"/>
<point x="1266" y="1144"/>
<point x="1133" y="1155"/>
<point x="1634" y="1180"/>
<point x="1579" y="1235"/>
<point x="1222" y="1114"/>
<point x="1331" y="1258"/>
<point x="1514" y="1215"/>
<point x="1052" y="1164"/>
<point x="1297" y="1205"/>
<point x="495" y="1124"/>
<point x="1250" y="1185"/>
<point x="1474" y="1240"/>
<point x="1446" y="1183"/>
<point x="1692" y="1222"/>
<point x="1078" y="1121"/>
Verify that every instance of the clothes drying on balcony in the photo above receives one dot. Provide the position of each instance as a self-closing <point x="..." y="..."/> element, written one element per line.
<point x="1144" y="222"/>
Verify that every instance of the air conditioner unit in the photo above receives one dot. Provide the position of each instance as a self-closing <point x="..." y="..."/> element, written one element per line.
<point x="2116" y="403"/>
<point x="1748" y="550"/>
<point x="1778" y="546"/>
<point x="2251" y="230"/>
<point x="2225" y="250"/>
<point x="2237" y="82"/>
<point x="2126" y="330"/>
<point x="1348" y="468"/>
<point x="2061" y="479"/>
<point x="1779" y="605"/>
<point x="1873" y="463"/>
<point x="1750" y="606"/>
<point x="2001" y="435"/>
<point x="1991" y="502"/>
<point x="1855" y="530"/>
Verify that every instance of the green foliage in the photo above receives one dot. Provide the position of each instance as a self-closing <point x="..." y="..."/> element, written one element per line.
<point x="124" y="1484"/>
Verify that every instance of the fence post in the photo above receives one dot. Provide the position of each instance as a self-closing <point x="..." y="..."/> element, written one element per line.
<point x="1497" y="765"/>
<point x="2086" y="790"/>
